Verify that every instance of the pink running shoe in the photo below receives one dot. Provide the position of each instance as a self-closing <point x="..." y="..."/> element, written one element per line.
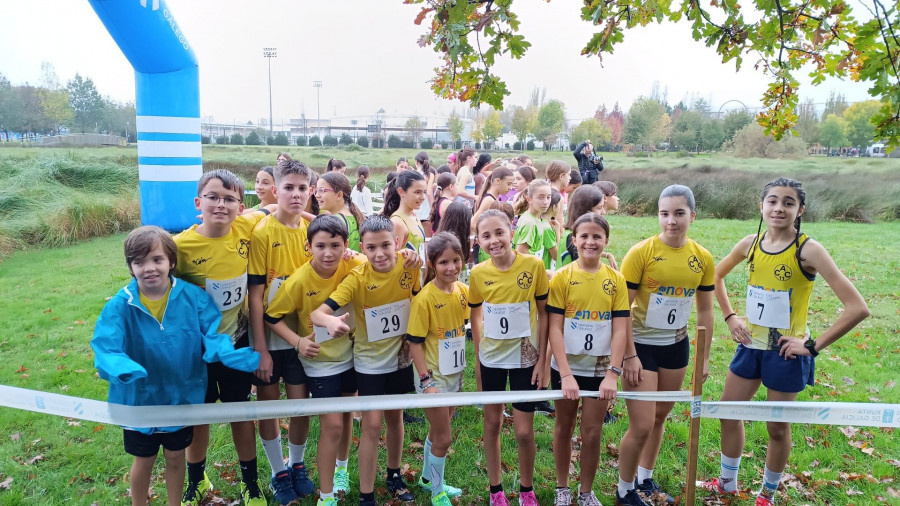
<point x="528" y="499"/>
<point x="763" y="500"/>
<point x="499" y="499"/>
<point x="714" y="486"/>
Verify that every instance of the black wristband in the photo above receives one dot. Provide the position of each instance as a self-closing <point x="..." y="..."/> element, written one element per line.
<point x="729" y="316"/>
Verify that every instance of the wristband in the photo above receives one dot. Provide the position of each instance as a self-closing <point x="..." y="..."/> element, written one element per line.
<point x="424" y="376"/>
<point x="628" y="357"/>
<point x="729" y="316"/>
<point x="615" y="370"/>
<point x="426" y="386"/>
<point x="565" y="376"/>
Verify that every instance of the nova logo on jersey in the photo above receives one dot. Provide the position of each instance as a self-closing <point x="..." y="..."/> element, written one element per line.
<point x="609" y="287"/>
<point x="675" y="291"/>
<point x="276" y="244"/>
<point x="448" y="334"/>
<point x="783" y="272"/>
<point x="201" y="260"/>
<point x="524" y="280"/>
<point x="587" y="314"/>
<point x="694" y="264"/>
<point x="406" y="280"/>
<point x="243" y="248"/>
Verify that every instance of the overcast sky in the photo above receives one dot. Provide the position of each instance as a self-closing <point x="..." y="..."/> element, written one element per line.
<point x="366" y="54"/>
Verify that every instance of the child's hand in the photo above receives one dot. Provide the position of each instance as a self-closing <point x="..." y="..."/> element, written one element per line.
<point x="633" y="371"/>
<point x="264" y="371"/>
<point x="411" y="259"/>
<point x="348" y="254"/>
<point x="537" y="376"/>
<point x="570" y="387"/>
<point x="337" y="326"/>
<point x="609" y="386"/>
<point x="307" y="348"/>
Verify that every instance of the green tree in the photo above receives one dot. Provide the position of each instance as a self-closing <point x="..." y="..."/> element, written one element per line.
<point x="493" y="127"/>
<point x="253" y="139"/>
<point x="477" y="132"/>
<point x="414" y="127"/>
<point x="834" y="131"/>
<point x="363" y="141"/>
<point x="592" y="129"/>
<point x="808" y="122"/>
<point x="238" y="139"/>
<point x="55" y="107"/>
<point x="860" y="130"/>
<point x="281" y="139"/>
<point x="782" y="37"/>
<point x="734" y="121"/>
<point x="455" y="127"/>
<point x="686" y="130"/>
<point x="647" y="123"/>
<point x="551" y="120"/>
<point x="315" y="141"/>
<point x="712" y="134"/>
<point x="222" y="139"/>
<point x="85" y="101"/>
<point x="522" y="124"/>
<point x="301" y="141"/>
<point x="836" y="104"/>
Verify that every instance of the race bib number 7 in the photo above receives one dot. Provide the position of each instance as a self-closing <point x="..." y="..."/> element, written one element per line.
<point x="228" y="293"/>
<point x="583" y="337"/>
<point x="507" y="321"/>
<point x="668" y="313"/>
<point x="768" y="309"/>
<point x="388" y="320"/>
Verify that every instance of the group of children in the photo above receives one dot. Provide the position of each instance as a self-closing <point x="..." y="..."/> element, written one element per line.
<point x="331" y="302"/>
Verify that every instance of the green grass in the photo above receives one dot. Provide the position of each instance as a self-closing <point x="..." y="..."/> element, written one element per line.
<point x="50" y="300"/>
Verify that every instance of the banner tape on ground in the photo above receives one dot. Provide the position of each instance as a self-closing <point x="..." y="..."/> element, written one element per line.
<point x="826" y="413"/>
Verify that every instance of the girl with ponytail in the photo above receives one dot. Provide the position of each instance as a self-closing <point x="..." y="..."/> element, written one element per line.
<point x="361" y="194"/>
<point x="333" y="194"/>
<point x="402" y="198"/>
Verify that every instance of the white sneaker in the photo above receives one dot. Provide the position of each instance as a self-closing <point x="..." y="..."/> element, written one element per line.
<point x="588" y="499"/>
<point x="563" y="497"/>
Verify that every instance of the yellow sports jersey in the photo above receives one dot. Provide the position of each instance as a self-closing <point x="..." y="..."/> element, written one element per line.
<point x="381" y="307"/>
<point x="415" y="239"/>
<point x="778" y="292"/>
<point x="440" y="323"/>
<point x="509" y="340"/>
<point x="276" y="251"/>
<point x="666" y="280"/>
<point x="219" y="266"/>
<point x="588" y="302"/>
<point x="302" y="294"/>
<point x="157" y="308"/>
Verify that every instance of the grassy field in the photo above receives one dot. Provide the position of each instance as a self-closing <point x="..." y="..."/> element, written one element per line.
<point x="50" y="300"/>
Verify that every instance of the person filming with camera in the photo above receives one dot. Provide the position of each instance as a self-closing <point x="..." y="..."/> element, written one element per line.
<point x="589" y="164"/>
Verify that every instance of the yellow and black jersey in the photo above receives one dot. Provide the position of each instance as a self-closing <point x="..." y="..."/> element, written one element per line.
<point x="588" y="302"/>
<point x="157" y="308"/>
<point x="509" y="338"/>
<point x="666" y="280"/>
<point x="219" y="266"/>
<point x="381" y="307"/>
<point x="302" y="293"/>
<point x="276" y="251"/>
<point x="778" y="292"/>
<point x="439" y="322"/>
<point x="415" y="237"/>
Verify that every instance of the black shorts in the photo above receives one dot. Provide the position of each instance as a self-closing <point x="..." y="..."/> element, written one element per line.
<point x="147" y="445"/>
<point x="226" y="384"/>
<point x="332" y="386"/>
<point x="493" y="379"/>
<point x="590" y="383"/>
<point x="390" y="383"/>
<point x="670" y="356"/>
<point x="286" y="366"/>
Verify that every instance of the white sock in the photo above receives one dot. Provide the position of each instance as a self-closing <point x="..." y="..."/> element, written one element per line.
<point x="436" y="474"/>
<point x="624" y="487"/>
<point x="274" y="454"/>
<point x="770" y="482"/>
<point x="340" y="463"/>
<point x="644" y="474"/>
<point x="296" y="452"/>
<point x="728" y="472"/>
<point x="323" y="495"/>
<point x="427" y="456"/>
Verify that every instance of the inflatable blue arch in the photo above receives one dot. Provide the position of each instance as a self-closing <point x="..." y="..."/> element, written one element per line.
<point x="167" y="102"/>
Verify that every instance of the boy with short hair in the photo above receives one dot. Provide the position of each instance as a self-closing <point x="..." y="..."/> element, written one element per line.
<point x="213" y="256"/>
<point x="150" y="343"/>
<point x="278" y="247"/>
<point x="380" y="292"/>
<point x="328" y="362"/>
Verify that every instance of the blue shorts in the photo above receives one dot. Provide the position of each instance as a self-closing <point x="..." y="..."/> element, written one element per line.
<point x="776" y="372"/>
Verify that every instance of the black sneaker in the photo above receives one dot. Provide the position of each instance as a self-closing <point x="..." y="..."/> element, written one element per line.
<point x="650" y="489"/>
<point x="632" y="498"/>
<point x="610" y="418"/>
<point x="411" y="418"/>
<point x="545" y="407"/>
<point x="398" y="489"/>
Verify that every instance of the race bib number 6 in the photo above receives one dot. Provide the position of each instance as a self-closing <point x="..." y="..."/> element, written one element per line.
<point x="768" y="309"/>
<point x="668" y="313"/>
<point x="228" y="293"/>
<point x="507" y="321"/>
<point x="583" y="337"/>
<point x="388" y="320"/>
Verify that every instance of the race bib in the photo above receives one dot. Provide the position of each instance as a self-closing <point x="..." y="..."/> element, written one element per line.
<point x="273" y="289"/>
<point x="507" y="321"/>
<point x="669" y="313"/>
<point x="452" y="355"/>
<point x="320" y="334"/>
<point x="583" y="337"/>
<point x="768" y="309"/>
<point x="228" y="293"/>
<point x="388" y="320"/>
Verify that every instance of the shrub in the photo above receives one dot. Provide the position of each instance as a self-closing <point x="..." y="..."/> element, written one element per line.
<point x="445" y="145"/>
<point x="237" y="139"/>
<point x="301" y="141"/>
<point x="222" y="139"/>
<point x="517" y="146"/>
<point x="393" y="142"/>
<point x="378" y="142"/>
<point x="205" y="139"/>
<point x="253" y="139"/>
<point x="346" y="140"/>
<point x="315" y="141"/>
<point x="354" y="147"/>
<point x="407" y="144"/>
<point x="363" y="141"/>
<point x="530" y="146"/>
<point x="752" y="142"/>
<point x="281" y="140"/>
<point x="330" y="140"/>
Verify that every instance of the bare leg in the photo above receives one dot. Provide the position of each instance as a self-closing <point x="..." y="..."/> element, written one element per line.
<point x="524" y="426"/>
<point x="268" y="429"/>
<point x="372" y="425"/>
<point x="779" y="435"/>
<point x="196" y="452"/>
<point x="640" y="424"/>
<point x="493" y="420"/>
<point x="174" y="475"/>
<point x="298" y="430"/>
<point x="736" y="389"/>
<point x="667" y="380"/>
<point x="331" y="433"/>
<point x="592" y="413"/>
<point x="566" y="412"/>
<point x="395" y="432"/>
<point x="141" y="470"/>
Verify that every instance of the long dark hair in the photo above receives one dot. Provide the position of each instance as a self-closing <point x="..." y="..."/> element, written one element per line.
<point x="339" y="182"/>
<point x="334" y="164"/>
<point x="457" y="220"/>
<point x="499" y="173"/>
<point x="801" y="196"/>
<point x="422" y="158"/>
<point x="362" y="173"/>
<point x="439" y="243"/>
<point x="403" y="180"/>
<point x="443" y="180"/>
<point x="581" y="202"/>
<point x="312" y="201"/>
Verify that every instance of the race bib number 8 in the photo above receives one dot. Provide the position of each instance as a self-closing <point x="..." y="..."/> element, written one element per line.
<point x="583" y="337"/>
<point x="507" y="321"/>
<point x="668" y="313"/>
<point x="388" y="320"/>
<point x="768" y="309"/>
<point x="229" y="293"/>
<point x="320" y="334"/>
<point x="452" y="355"/>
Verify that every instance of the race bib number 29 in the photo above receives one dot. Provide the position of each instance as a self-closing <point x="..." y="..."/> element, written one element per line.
<point x="388" y="320"/>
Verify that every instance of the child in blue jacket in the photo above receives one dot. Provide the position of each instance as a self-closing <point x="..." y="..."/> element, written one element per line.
<point x="150" y="342"/>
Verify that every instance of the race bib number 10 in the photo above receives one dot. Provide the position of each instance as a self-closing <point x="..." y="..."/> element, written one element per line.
<point x="583" y="337"/>
<point x="768" y="309"/>
<point x="452" y="355"/>
<point x="507" y="321"/>
<point x="668" y="313"/>
<point x="229" y="293"/>
<point x="388" y="320"/>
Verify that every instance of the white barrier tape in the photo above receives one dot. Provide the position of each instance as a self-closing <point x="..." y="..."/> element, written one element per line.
<point x="822" y="413"/>
<point x="196" y="414"/>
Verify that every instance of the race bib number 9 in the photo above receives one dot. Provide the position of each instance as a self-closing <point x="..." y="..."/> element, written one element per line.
<point x="229" y="293"/>
<point x="452" y="355"/>
<point x="583" y="337"/>
<point x="507" y="321"/>
<point x="388" y="320"/>
<point x="668" y="313"/>
<point x="768" y="309"/>
<point x="320" y="334"/>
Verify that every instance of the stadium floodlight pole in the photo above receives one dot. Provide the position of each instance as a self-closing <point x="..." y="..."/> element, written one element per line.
<point x="269" y="53"/>
<point x="318" y="85"/>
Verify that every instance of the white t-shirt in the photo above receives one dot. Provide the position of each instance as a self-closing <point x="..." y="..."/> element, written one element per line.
<point x="363" y="200"/>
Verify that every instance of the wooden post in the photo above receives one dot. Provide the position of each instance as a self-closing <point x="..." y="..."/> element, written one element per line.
<point x="694" y="438"/>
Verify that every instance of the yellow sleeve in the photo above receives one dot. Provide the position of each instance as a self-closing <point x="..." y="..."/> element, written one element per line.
<point x="620" y="299"/>
<point x="346" y="291"/>
<point x="556" y="301"/>
<point x="709" y="269"/>
<point x="418" y="326"/>
<point x="283" y="303"/>
<point x="541" y="283"/>
<point x="475" y="297"/>
<point x="633" y="266"/>
<point x="245" y="223"/>
<point x="417" y="281"/>
<point x="256" y="270"/>
<point x="464" y="289"/>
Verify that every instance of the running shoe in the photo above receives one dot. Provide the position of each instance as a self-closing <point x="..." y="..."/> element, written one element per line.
<point x="651" y="491"/>
<point x="411" y="418"/>
<point x="251" y="495"/>
<point x="441" y="500"/>
<point x="399" y="490"/>
<point x="563" y="497"/>
<point x="341" y="480"/>
<point x="764" y="500"/>
<point x="545" y="407"/>
<point x="528" y="499"/>
<point x="300" y="481"/>
<point x="714" y="486"/>
<point x="632" y="498"/>
<point x="195" y="492"/>
<point x="588" y="499"/>
<point x="449" y="489"/>
<point x="499" y="499"/>
<point x="609" y="418"/>
<point x="368" y="503"/>
<point x="282" y="488"/>
<point x="331" y="501"/>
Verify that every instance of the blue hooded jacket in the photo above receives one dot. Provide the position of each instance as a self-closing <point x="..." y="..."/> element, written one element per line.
<point x="149" y="363"/>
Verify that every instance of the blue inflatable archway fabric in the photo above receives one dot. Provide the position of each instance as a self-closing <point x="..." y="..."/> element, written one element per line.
<point x="167" y="101"/>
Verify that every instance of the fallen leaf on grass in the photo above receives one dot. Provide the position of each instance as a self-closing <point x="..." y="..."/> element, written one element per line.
<point x="853" y="491"/>
<point x="895" y="463"/>
<point x="848" y="381"/>
<point x="15" y="436"/>
<point x="893" y="492"/>
<point x="5" y="484"/>
<point x="21" y="369"/>
<point x="849" y="431"/>
<point x="34" y="459"/>
<point x="48" y="310"/>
